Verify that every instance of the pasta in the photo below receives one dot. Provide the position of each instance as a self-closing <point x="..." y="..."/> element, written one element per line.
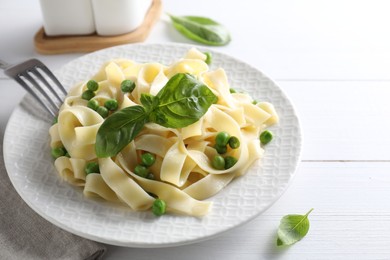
<point x="183" y="173"/>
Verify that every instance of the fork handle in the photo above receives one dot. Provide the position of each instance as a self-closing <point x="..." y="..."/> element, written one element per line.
<point x="3" y="65"/>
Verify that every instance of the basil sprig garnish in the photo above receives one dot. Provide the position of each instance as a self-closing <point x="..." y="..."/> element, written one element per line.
<point x="293" y="228"/>
<point x="201" y="29"/>
<point x="119" y="129"/>
<point x="181" y="102"/>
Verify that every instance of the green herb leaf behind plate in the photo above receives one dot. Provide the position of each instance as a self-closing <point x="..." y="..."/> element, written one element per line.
<point x="201" y="29"/>
<point x="293" y="228"/>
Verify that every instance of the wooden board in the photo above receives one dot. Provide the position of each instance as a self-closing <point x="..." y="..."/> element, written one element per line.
<point x="86" y="43"/>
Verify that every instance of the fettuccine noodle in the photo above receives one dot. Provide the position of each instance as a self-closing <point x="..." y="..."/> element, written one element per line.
<point x="184" y="175"/>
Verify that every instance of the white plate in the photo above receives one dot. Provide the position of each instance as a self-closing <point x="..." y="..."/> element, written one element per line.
<point x="30" y="167"/>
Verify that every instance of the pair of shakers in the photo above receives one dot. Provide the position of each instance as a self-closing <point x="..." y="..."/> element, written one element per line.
<point x="84" y="17"/>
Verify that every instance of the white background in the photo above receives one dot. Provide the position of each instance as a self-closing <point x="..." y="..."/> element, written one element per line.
<point x="332" y="58"/>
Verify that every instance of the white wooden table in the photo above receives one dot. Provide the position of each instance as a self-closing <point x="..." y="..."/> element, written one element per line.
<point x="332" y="58"/>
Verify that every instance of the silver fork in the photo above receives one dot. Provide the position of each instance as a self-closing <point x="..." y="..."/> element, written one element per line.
<point x="39" y="81"/>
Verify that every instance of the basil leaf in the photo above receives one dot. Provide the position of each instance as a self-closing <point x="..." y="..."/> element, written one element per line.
<point x="149" y="101"/>
<point x="201" y="29"/>
<point x="293" y="228"/>
<point x="119" y="129"/>
<point x="182" y="101"/>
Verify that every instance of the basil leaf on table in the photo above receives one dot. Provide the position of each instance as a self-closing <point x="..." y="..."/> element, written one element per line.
<point x="181" y="102"/>
<point x="201" y="29"/>
<point x="118" y="130"/>
<point x="293" y="228"/>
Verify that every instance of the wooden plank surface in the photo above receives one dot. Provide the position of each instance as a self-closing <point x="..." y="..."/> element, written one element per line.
<point x="288" y="40"/>
<point x="341" y="120"/>
<point x="332" y="59"/>
<point x="346" y="223"/>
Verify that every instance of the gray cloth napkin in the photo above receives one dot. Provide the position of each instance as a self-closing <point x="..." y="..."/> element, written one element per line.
<point x="26" y="235"/>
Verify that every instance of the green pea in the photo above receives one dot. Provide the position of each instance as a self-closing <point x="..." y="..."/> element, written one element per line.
<point x="159" y="207"/>
<point x="232" y="90"/>
<point x="93" y="104"/>
<point x="208" y="58"/>
<point x="88" y="94"/>
<point x="218" y="162"/>
<point x="141" y="171"/>
<point x="111" y="104"/>
<point x="92" y="85"/>
<point x="58" y="152"/>
<point x="220" y="149"/>
<point x="222" y="138"/>
<point x="254" y="102"/>
<point x="102" y="111"/>
<point x="148" y="159"/>
<point x="230" y="161"/>
<point x="55" y="120"/>
<point x="266" y="137"/>
<point x="234" y="142"/>
<point x="127" y="86"/>
<point x="92" y="167"/>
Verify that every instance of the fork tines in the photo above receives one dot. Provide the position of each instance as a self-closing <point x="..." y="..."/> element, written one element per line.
<point x="40" y="82"/>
